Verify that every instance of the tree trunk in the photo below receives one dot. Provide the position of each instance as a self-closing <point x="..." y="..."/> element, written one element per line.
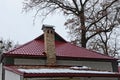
<point x="83" y="28"/>
<point x="83" y="39"/>
<point x="106" y="49"/>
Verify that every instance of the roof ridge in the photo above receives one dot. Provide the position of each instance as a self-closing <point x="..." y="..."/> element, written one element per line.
<point x="55" y="34"/>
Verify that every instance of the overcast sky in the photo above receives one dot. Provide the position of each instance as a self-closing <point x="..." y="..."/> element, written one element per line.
<point x="18" y="26"/>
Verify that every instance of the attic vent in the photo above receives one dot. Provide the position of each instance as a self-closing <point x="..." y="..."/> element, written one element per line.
<point x="48" y="31"/>
<point x="51" y="32"/>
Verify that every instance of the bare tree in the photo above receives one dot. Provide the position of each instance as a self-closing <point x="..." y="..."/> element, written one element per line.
<point x="86" y="18"/>
<point x="106" y="43"/>
<point x="6" y="45"/>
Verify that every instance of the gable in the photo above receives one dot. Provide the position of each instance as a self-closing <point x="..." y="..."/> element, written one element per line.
<point x="57" y="37"/>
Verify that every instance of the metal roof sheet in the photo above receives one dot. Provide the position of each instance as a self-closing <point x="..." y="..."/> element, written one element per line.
<point x="63" y="49"/>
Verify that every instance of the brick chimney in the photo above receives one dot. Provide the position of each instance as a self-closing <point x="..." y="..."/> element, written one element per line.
<point x="49" y="43"/>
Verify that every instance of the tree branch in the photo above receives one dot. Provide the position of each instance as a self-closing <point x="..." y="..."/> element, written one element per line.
<point x="95" y="22"/>
<point x="62" y="6"/>
<point x="85" y="2"/>
<point x="74" y="1"/>
<point x="81" y="3"/>
<point x="103" y="15"/>
<point x="98" y="32"/>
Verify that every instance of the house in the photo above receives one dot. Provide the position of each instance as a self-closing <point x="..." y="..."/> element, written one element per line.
<point x="49" y="56"/>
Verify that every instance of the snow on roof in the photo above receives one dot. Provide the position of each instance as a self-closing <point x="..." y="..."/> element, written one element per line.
<point x="62" y="70"/>
<point x="80" y="67"/>
<point x="59" y="71"/>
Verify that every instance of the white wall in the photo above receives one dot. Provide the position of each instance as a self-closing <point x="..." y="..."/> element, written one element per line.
<point x="1" y="71"/>
<point x="11" y="76"/>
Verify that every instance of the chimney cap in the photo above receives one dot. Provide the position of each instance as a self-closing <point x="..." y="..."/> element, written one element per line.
<point x="47" y="26"/>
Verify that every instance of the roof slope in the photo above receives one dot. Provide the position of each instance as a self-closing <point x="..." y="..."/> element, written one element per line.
<point x="35" y="48"/>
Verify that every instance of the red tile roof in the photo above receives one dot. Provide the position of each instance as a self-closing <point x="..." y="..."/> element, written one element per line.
<point x="63" y="49"/>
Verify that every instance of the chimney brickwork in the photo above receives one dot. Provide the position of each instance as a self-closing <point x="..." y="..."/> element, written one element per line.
<point x="49" y="43"/>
